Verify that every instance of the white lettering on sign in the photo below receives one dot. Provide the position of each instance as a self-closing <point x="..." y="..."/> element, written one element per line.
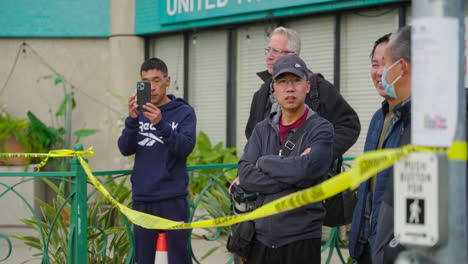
<point x="221" y="3"/>
<point x="208" y="5"/>
<point x="415" y="176"/>
<point x="187" y="6"/>
<point x="170" y="11"/>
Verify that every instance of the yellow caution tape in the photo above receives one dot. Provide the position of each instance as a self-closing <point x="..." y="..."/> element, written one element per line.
<point x="52" y="154"/>
<point x="458" y="151"/>
<point x="365" y="166"/>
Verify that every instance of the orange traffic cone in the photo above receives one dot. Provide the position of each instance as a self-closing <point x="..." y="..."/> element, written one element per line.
<point x="161" y="250"/>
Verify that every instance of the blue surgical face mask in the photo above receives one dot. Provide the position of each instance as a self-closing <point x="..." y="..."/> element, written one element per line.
<point x="389" y="88"/>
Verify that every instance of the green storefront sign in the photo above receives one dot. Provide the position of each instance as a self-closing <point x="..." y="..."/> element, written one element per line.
<point x="177" y="11"/>
<point x="154" y="16"/>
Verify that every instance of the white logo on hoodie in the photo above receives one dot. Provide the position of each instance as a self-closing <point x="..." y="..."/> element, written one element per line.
<point x="150" y="138"/>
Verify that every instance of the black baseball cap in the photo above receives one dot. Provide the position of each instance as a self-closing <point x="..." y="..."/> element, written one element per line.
<point x="291" y="64"/>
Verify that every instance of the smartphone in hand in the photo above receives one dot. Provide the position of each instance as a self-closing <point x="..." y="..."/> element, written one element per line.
<point x="143" y="95"/>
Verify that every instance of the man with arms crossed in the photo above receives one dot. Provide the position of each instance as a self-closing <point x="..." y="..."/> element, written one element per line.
<point x="292" y="237"/>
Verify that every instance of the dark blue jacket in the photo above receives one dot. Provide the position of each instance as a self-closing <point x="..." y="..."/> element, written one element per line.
<point x="262" y="169"/>
<point x="368" y="203"/>
<point x="386" y="247"/>
<point x="161" y="151"/>
<point x="384" y="251"/>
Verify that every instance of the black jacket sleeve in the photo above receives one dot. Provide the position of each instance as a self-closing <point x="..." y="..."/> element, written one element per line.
<point x="252" y="116"/>
<point x="260" y="104"/>
<point x="345" y="120"/>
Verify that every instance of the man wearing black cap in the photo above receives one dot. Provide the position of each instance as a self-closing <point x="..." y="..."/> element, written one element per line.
<point x="292" y="236"/>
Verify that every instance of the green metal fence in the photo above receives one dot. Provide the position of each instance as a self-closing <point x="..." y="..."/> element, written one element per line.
<point x="77" y="246"/>
<point x="77" y="200"/>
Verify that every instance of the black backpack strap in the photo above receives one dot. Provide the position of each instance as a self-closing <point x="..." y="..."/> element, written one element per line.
<point x="290" y="144"/>
<point x="314" y="93"/>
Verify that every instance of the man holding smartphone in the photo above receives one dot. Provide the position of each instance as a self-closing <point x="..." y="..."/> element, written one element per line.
<point x="161" y="138"/>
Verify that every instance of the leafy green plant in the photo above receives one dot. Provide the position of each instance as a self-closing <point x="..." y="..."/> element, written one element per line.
<point x="31" y="133"/>
<point x="101" y="216"/>
<point x="216" y="204"/>
<point x="214" y="201"/>
<point x="15" y="127"/>
<point x="36" y="136"/>
<point x="205" y="153"/>
<point x="59" y="135"/>
<point x="104" y="215"/>
<point x="57" y="234"/>
<point x="43" y="137"/>
<point x="62" y="116"/>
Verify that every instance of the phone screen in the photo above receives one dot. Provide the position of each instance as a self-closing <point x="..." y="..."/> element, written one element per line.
<point x="143" y="94"/>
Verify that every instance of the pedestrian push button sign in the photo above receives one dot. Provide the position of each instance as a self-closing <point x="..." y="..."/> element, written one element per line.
<point x="420" y="185"/>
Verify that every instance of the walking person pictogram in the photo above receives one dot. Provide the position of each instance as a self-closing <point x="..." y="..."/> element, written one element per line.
<point x="415" y="210"/>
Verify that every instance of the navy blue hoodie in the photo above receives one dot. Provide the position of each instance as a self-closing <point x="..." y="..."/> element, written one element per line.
<point x="161" y="151"/>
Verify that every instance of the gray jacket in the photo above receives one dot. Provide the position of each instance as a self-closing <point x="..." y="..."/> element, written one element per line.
<point x="277" y="176"/>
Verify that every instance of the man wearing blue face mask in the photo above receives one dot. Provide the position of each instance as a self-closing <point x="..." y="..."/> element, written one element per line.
<point x="392" y="61"/>
<point x="396" y="79"/>
<point x="398" y="70"/>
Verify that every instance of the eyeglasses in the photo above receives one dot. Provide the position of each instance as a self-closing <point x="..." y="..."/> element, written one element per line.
<point x="276" y="52"/>
<point x="282" y="83"/>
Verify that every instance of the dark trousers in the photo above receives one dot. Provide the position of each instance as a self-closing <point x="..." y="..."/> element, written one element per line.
<point x="366" y="256"/>
<point x="299" y="252"/>
<point x="177" y="240"/>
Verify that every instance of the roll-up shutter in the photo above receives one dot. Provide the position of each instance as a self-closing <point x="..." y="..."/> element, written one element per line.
<point x="358" y="32"/>
<point x="251" y="41"/>
<point x="207" y="82"/>
<point x="317" y="42"/>
<point x="409" y="16"/>
<point x="170" y="49"/>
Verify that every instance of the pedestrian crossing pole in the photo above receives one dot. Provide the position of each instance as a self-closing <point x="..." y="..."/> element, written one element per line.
<point x="438" y="120"/>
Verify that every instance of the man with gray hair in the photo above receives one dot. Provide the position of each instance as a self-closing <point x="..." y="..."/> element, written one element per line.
<point x="323" y="97"/>
<point x="396" y="79"/>
<point x="370" y="192"/>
